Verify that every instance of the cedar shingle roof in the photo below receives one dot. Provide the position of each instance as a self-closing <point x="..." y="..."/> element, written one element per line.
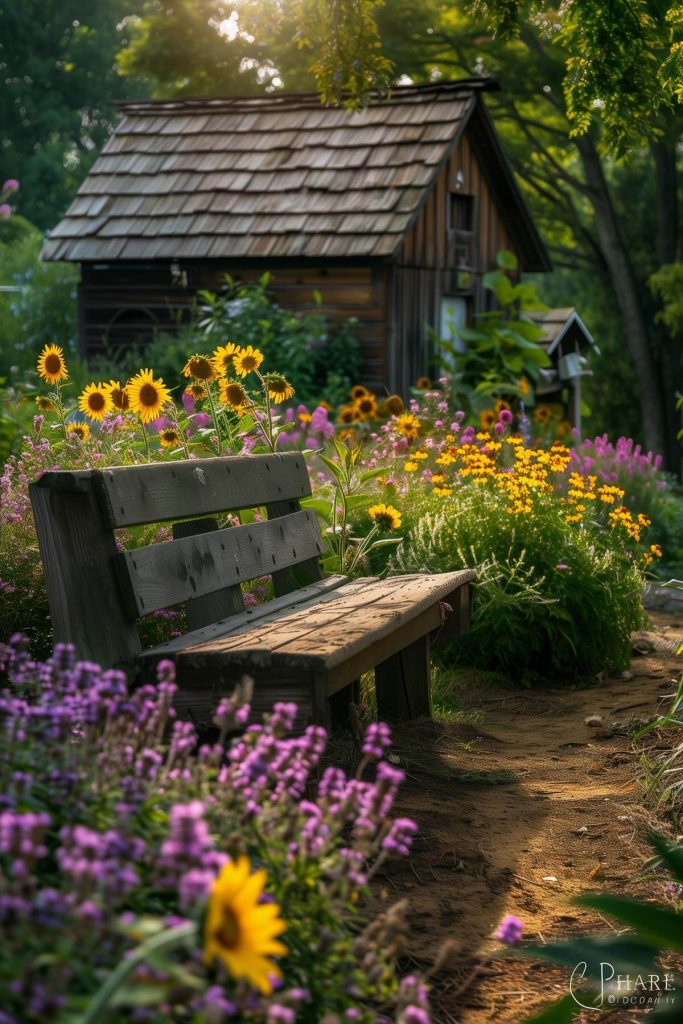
<point x="262" y="176"/>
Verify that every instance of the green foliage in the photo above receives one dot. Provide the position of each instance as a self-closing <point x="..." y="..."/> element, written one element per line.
<point x="56" y="103"/>
<point x="667" y="284"/>
<point x="531" y="616"/>
<point x="654" y="931"/>
<point x="489" y="358"/>
<point x="320" y="358"/>
<point x="43" y="310"/>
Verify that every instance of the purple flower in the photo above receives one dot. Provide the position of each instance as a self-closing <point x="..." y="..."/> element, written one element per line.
<point x="377" y="739"/>
<point x="505" y="416"/>
<point x="400" y="836"/>
<point x="11" y="185"/>
<point x="5" y="210"/>
<point x="510" y="930"/>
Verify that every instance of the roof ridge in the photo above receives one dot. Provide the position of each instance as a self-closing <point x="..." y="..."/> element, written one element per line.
<point x="300" y="100"/>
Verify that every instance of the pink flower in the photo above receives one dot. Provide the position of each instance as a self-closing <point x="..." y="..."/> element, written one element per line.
<point x="5" y="210"/>
<point x="11" y="185"/>
<point x="510" y="930"/>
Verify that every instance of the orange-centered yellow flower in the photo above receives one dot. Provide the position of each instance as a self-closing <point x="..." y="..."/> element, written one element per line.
<point x="51" y="365"/>
<point x="385" y="516"/>
<point x="240" y="931"/>
<point x="148" y="395"/>
<point x="95" y="402"/>
<point x="246" y="360"/>
<point x="118" y="394"/>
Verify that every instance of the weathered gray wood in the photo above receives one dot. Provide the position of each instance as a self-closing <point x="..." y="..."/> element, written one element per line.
<point x="202" y="611"/>
<point x="402" y="683"/>
<point x="78" y="552"/>
<point x="162" y="575"/>
<point x="298" y="600"/>
<point x="133" y="495"/>
<point x="287" y="580"/>
<point x="456" y="621"/>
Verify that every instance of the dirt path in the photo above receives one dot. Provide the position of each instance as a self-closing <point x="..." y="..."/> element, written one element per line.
<point x="517" y="815"/>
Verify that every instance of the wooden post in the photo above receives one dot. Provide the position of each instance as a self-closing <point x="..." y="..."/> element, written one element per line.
<point x="403" y="683"/>
<point x="78" y="552"/>
<point x="210" y="608"/>
<point x="287" y="580"/>
<point x="340" y="701"/>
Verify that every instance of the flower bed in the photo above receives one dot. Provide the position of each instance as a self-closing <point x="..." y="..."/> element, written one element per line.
<point x="146" y="876"/>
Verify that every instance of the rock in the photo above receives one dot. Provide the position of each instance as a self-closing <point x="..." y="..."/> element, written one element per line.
<point x="593" y="721"/>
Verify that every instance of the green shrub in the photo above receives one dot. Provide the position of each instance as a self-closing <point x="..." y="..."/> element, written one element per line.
<point x="550" y="596"/>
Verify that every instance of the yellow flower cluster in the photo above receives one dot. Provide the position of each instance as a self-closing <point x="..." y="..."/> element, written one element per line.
<point x="365" y="405"/>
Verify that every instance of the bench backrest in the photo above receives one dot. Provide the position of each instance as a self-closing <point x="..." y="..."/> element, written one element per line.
<point x="97" y="592"/>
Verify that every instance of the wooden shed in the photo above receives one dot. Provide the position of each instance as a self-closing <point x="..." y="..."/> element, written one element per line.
<point x="392" y="213"/>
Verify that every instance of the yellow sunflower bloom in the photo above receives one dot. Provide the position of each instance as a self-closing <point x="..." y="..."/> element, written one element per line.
<point x="222" y="358"/>
<point x="543" y="414"/>
<point x="118" y="395"/>
<point x="366" y="406"/>
<point x="148" y="395"/>
<point x="394" y="405"/>
<point x="279" y="389"/>
<point x="45" y="404"/>
<point x="385" y="516"/>
<point x="487" y="418"/>
<point x="79" y="430"/>
<point x="423" y="384"/>
<point x="246" y="360"/>
<point x="232" y="394"/>
<point x="196" y="391"/>
<point x="349" y="414"/>
<point x="169" y="437"/>
<point x="523" y="385"/>
<point x="51" y="365"/>
<point x="95" y="401"/>
<point x="199" y="367"/>
<point x="240" y="931"/>
<point x="408" y="425"/>
<point x="358" y="391"/>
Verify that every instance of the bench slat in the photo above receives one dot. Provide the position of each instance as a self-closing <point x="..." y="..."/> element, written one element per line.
<point x="162" y="575"/>
<point x="133" y="495"/>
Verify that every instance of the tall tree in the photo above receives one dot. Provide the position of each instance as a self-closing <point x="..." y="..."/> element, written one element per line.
<point x="58" y="81"/>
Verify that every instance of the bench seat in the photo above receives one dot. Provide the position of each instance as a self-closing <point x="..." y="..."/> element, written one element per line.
<point x="312" y="643"/>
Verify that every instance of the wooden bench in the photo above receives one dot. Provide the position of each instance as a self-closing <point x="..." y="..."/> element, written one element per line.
<point x="311" y="642"/>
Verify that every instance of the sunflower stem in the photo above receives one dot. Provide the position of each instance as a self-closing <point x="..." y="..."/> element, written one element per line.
<point x="214" y="417"/>
<point x="146" y="440"/>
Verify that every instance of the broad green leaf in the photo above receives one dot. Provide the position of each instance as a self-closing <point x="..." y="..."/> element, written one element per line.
<point x="625" y="953"/>
<point x="653" y="924"/>
<point x="671" y="855"/>
<point x="506" y="260"/>
<point x="561" y="1012"/>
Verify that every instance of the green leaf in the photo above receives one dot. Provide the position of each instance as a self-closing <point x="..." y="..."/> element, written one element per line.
<point x="561" y="1012"/>
<point x="672" y="856"/>
<point x="506" y="260"/>
<point x="625" y="953"/>
<point x="320" y="506"/>
<point x="653" y="924"/>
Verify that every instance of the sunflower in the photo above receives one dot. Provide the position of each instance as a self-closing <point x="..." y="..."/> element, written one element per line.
<point x="169" y="437"/>
<point x="279" y="389"/>
<point x="408" y="425"/>
<point x="349" y="414"/>
<point x="543" y="414"/>
<point x="358" y="391"/>
<point x="51" y="365"/>
<point x="385" y="516"/>
<point x="423" y="384"/>
<point x="500" y="405"/>
<point x="322" y="404"/>
<point x="232" y="394"/>
<point x="487" y="418"/>
<point x="523" y="385"/>
<point x="118" y="395"/>
<point x="95" y="401"/>
<point x="45" y="404"/>
<point x="394" y="405"/>
<point x="79" y="430"/>
<point x="366" y="406"/>
<point x="222" y="358"/>
<point x="246" y="360"/>
<point x="147" y="395"/>
<point x="199" y="367"/>
<point x="239" y="930"/>
<point x="196" y="391"/>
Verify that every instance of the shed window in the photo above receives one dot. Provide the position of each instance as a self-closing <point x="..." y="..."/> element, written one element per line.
<point x="461" y="216"/>
<point x="452" y="319"/>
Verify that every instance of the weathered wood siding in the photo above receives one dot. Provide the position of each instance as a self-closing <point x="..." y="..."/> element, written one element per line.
<point x="423" y="271"/>
<point x="122" y="305"/>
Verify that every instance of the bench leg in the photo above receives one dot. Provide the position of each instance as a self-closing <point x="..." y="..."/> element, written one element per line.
<point x="402" y="683"/>
<point x="339" y="703"/>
